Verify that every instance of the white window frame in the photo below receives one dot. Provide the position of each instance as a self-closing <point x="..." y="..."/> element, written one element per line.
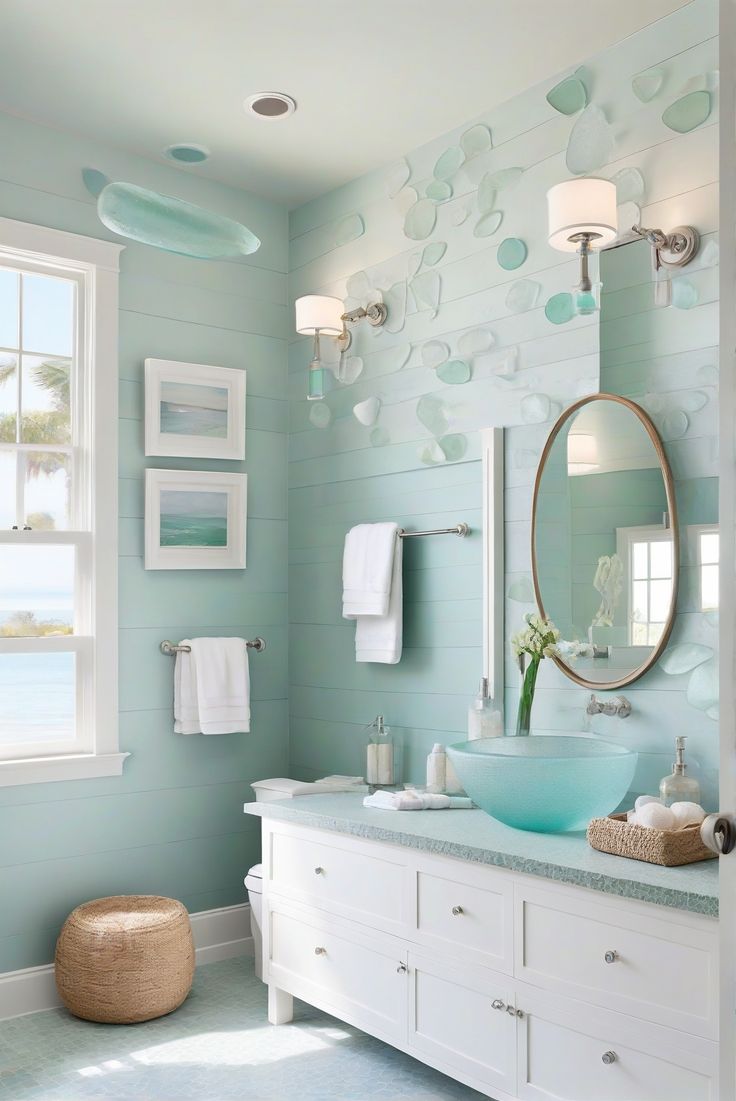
<point x="625" y="539"/>
<point x="694" y="532"/>
<point x="94" y="265"/>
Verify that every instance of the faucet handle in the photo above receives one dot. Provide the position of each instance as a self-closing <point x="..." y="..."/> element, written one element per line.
<point x="617" y="706"/>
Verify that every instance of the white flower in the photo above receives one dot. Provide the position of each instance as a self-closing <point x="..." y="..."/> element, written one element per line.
<point x="539" y="640"/>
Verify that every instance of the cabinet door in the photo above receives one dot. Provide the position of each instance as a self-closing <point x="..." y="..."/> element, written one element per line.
<point x="572" y="1052"/>
<point x="357" y="976"/>
<point x="462" y="1021"/>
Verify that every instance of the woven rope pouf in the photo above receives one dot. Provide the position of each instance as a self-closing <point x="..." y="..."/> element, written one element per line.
<point x="125" y="959"/>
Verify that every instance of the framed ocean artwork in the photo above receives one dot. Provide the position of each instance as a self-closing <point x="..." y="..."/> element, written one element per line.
<point x="195" y="520"/>
<point x="194" y="410"/>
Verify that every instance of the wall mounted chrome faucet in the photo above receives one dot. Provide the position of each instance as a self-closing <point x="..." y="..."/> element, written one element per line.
<point x="617" y="706"/>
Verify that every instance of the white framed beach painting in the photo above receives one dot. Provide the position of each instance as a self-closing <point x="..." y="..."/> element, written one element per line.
<point x="194" y="410"/>
<point x="195" y="520"/>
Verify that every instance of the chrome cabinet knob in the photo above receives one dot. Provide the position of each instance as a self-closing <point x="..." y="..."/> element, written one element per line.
<point x="320" y="951"/>
<point x="457" y="910"/>
<point x="498" y="1004"/>
<point x="610" y="956"/>
<point x="402" y="969"/>
<point x="608" y="1057"/>
<point x="319" y="871"/>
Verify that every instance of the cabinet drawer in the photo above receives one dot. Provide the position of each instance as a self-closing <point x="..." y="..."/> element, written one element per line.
<point x="453" y="1023"/>
<point x="570" y="1053"/>
<point x="360" y="978"/>
<point x="467" y="912"/>
<point x="660" y="970"/>
<point x="340" y="879"/>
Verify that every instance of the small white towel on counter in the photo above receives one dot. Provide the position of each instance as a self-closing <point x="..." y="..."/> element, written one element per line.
<point x="373" y="591"/>
<point x="212" y="687"/>
<point x="416" y="800"/>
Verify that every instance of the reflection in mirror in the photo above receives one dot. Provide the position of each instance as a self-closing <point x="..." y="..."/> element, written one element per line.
<point x="604" y="541"/>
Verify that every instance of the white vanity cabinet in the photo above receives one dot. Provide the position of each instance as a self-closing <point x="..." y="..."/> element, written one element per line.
<point x="524" y="989"/>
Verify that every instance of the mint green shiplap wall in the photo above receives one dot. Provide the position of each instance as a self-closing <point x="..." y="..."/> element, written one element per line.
<point x="338" y="478"/>
<point x="173" y="823"/>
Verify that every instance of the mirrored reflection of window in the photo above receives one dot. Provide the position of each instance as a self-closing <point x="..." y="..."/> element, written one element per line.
<point x="647" y="554"/>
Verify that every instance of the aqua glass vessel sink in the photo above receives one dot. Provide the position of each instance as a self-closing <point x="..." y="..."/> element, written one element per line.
<point x="546" y="784"/>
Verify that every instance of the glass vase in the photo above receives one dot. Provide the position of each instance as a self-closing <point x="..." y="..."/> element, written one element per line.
<point x="526" y="699"/>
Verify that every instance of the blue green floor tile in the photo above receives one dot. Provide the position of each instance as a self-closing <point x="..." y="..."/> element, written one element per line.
<point x="218" y="1046"/>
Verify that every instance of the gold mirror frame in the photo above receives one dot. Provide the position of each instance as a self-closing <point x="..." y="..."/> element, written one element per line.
<point x="606" y="686"/>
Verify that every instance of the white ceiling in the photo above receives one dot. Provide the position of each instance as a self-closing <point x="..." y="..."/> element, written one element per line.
<point x="372" y="79"/>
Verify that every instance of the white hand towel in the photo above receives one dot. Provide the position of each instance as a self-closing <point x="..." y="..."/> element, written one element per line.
<point x="367" y="569"/>
<point x="212" y="687"/>
<point x="379" y="638"/>
<point x="373" y="591"/>
<point x="416" y="800"/>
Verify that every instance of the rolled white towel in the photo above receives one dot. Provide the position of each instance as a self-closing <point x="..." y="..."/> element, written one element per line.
<point x="656" y="817"/>
<point x="416" y="800"/>
<point x="687" y="814"/>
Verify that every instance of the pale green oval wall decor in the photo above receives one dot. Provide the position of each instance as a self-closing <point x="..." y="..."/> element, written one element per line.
<point x="426" y="289"/>
<point x="448" y="163"/>
<point x="646" y="85"/>
<point x="522" y="295"/>
<point x="455" y="372"/>
<point x="433" y="253"/>
<point x="476" y="140"/>
<point x="512" y="252"/>
<point x="488" y="224"/>
<point x="320" y="414"/>
<point x="420" y="219"/>
<point x="629" y="185"/>
<point x="569" y="96"/>
<point x="439" y="191"/>
<point x="684" y="294"/>
<point x="591" y="143"/>
<point x="689" y="112"/>
<point x="168" y="223"/>
<point x="560" y="308"/>
<point x="486" y="198"/>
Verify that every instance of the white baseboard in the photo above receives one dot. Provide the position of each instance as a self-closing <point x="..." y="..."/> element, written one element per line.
<point x="218" y="935"/>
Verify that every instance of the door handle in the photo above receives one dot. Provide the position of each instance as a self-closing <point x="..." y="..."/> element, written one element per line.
<point x="718" y="833"/>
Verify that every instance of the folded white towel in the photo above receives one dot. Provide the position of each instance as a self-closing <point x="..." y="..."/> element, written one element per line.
<point x="416" y="800"/>
<point x="212" y="687"/>
<point x="373" y="560"/>
<point x="367" y="569"/>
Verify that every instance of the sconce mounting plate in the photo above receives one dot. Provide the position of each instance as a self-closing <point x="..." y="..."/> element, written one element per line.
<point x="376" y="314"/>
<point x="681" y="246"/>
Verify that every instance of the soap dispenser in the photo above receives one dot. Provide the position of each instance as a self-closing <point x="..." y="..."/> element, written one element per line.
<point x="677" y="787"/>
<point x="484" y="718"/>
<point x="381" y="755"/>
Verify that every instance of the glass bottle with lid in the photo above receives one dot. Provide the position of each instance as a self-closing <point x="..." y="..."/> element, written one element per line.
<point x="678" y="787"/>
<point x="484" y="717"/>
<point x="381" y="755"/>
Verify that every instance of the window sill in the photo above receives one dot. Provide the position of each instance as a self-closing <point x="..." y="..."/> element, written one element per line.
<point x="77" y="766"/>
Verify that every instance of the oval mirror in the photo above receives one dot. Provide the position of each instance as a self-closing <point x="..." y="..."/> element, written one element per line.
<point x="604" y="541"/>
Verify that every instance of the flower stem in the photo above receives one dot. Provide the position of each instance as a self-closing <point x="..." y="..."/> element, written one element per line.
<point x="526" y="699"/>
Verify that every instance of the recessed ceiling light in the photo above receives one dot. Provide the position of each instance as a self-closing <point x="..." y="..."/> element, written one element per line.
<point x="270" y="105"/>
<point x="187" y="153"/>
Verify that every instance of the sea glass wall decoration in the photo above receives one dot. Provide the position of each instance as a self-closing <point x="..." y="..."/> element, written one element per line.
<point x="169" y="223"/>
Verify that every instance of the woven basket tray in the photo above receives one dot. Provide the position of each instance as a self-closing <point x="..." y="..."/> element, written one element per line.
<point x="669" y="847"/>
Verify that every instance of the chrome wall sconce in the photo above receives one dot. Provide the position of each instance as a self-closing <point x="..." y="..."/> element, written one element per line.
<point x="582" y="218"/>
<point x="321" y="315"/>
<point x="669" y="252"/>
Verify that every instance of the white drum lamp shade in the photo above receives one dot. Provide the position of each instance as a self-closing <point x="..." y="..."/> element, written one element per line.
<point x="582" y="206"/>
<point x="319" y="313"/>
<point x="582" y="453"/>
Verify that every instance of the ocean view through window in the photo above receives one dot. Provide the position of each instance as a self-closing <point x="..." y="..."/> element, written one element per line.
<point x="58" y="481"/>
